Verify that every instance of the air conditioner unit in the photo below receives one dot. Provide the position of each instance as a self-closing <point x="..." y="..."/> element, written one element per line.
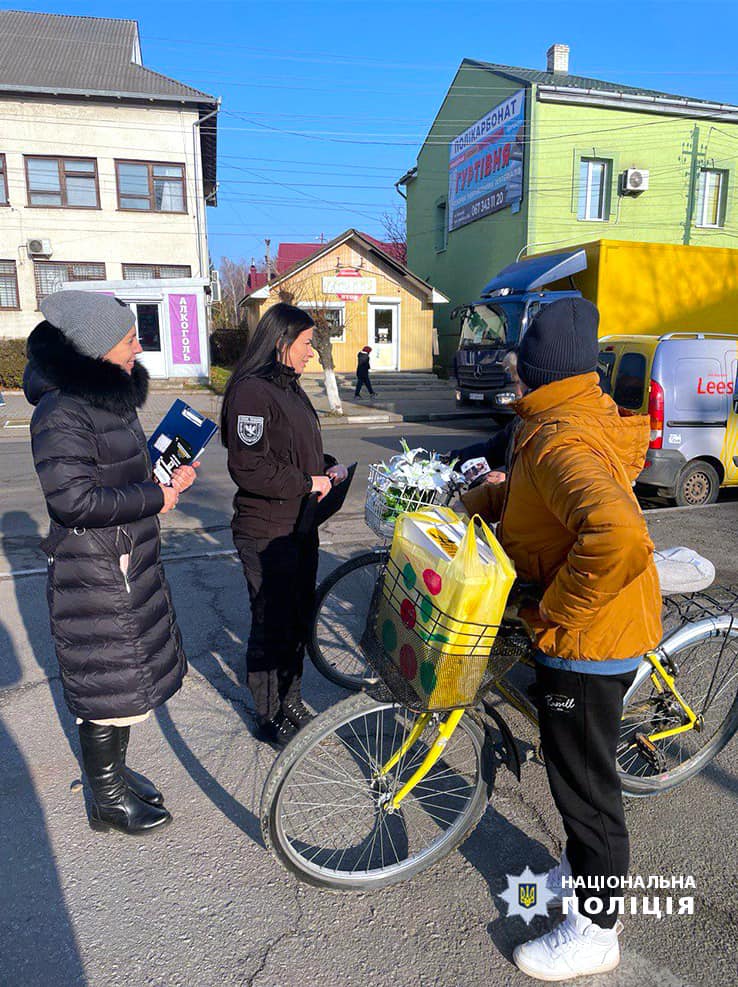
<point x="635" y="180"/>
<point x="215" y="292"/>
<point x="39" y="248"/>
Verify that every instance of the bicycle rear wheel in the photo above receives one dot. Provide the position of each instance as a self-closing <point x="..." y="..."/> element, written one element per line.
<point x="341" y="610"/>
<point x="322" y="806"/>
<point x="705" y="664"/>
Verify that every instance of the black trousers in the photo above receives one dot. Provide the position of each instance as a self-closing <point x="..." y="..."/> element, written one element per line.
<point x="580" y="725"/>
<point x="361" y="380"/>
<point x="280" y="573"/>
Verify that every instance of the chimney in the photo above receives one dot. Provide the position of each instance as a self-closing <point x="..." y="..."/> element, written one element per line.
<point x="557" y="59"/>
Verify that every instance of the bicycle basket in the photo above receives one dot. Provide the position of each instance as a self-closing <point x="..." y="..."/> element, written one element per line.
<point x="434" y="662"/>
<point x="385" y="501"/>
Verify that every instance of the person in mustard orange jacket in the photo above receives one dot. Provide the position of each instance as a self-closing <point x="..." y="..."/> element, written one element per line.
<point x="570" y="521"/>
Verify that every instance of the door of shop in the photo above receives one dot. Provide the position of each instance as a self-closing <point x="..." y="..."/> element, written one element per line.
<point x="384" y="328"/>
<point x="151" y="338"/>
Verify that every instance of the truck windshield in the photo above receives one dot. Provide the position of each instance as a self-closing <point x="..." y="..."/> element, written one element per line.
<point x="483" y="324"/>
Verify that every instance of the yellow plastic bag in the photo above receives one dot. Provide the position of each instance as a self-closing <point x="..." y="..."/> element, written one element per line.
<point x="442" y="601"/>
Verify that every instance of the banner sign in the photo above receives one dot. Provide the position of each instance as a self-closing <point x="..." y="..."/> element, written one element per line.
<point x="486" y="164"/>
<point x="184" y="329"/>
<point x="342" y="284"/>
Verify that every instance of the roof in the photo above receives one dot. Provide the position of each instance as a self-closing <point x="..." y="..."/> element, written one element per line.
<point x="567" y="81"/>
<point x="371" y="245"/>
<point x="289" y="254"/>
<point x="92" y="57"/>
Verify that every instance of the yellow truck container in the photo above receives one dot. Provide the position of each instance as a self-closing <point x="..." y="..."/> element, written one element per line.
<point x="650" y="289"/>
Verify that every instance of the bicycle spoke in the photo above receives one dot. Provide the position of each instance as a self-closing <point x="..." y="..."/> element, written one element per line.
<point x="335" y="814"/>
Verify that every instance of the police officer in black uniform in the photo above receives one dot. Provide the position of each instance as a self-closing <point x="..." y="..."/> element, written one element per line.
<point x="275" y="457"/>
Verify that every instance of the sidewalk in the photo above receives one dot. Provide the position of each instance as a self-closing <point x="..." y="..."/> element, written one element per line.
<point x="391" y="404"/>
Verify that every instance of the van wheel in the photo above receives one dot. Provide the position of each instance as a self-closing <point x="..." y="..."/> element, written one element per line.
<point x="697" y="484"/>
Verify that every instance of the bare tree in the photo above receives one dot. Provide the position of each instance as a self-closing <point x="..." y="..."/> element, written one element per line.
<point x="234" y="275"/>
<point x="395" y="231"/>
<point x="308" y="293"/>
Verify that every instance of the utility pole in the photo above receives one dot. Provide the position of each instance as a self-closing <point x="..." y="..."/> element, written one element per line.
<point x="692" y="190"/>
<point x="268" y="259"/>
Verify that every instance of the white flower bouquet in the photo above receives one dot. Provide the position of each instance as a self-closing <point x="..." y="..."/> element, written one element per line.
<point x="412" y="480"/>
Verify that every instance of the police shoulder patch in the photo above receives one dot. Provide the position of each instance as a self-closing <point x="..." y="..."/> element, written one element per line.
<point x="250" y="429"/>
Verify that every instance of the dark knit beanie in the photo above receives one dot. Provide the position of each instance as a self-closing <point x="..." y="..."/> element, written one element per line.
<point x="561" y="341"/>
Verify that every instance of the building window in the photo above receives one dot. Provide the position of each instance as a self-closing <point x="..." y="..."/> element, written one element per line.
<point x="8" y="285"/>
<point x="441" y="226"/>
<point x="66" y="183"/>
<point x="594" y="186"/>
<point x="138" y="272"/>
<point x="147" y="186"/>
<point x="330" y="315"/>
<point x="3" y="182"/>
<point x="711" y="189"/>
<point x="51" y="274"/>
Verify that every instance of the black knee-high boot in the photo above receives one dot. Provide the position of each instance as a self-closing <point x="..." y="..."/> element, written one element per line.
<point x="139" y="784"/>
<point x="113" y="803"/>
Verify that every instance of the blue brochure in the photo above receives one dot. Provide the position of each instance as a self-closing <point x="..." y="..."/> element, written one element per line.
<point x="179" y="440"/>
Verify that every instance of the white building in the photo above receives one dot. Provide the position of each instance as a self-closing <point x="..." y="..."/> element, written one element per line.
<point x="106" y="169"/>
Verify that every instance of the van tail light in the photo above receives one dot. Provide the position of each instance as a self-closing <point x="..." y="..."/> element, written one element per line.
<point x="656" y="414"/>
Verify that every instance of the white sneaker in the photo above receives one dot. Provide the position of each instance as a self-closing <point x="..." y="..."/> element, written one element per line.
<point x="575" y="948"/>
<point x="556" y="876"/>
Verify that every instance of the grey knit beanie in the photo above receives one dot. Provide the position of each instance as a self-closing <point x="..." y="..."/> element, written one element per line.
<point x="93" y="323"/>
<point x="560" y="342"/>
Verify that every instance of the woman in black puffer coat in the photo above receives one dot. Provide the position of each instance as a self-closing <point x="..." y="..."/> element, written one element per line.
<point x="112" y="620"/>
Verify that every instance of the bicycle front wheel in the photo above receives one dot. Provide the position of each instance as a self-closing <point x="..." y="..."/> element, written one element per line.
<point x="704" y="660"/>
<point x="341" y="611"/>
<point x="323" y="809"/>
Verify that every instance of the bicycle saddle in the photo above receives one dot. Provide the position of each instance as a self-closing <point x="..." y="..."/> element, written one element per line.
<point x="682" y="570"/>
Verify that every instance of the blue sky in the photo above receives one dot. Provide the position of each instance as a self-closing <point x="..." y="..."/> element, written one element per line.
<point x="326" y="104"/>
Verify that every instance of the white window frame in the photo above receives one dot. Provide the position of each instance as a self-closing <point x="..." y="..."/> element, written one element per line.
<point x="338" y="306"/>
<point x="606" y="179"/>
<point x="702" y="198"/>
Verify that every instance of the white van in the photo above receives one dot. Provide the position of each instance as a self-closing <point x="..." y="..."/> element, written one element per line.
<point x="686" y="383"/>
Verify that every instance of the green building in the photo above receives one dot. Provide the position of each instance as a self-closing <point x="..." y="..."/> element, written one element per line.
<point x="519" y="161"/>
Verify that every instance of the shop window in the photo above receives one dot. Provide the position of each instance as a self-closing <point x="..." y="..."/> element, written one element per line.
<point x="8" y="285"/>
<point x="4" y="201"/>
<point x="148" y="186"/>
<point x="383" y="326"/>
<point x="594" y="189"/>
<point x="51" y="274"/>
<point x="330" y="315"/>
<point x="441" y="225"/>
<point x="147" y="321"/>
<point x="62" y="183"/>
<point x="712" y="184"/>
<point x="138" y="272"/>
<point x="630" y="383"/>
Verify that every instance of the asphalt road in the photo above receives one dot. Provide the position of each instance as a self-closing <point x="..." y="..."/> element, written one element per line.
<point x="203" y="903"/>
<point x="208" y="504"/>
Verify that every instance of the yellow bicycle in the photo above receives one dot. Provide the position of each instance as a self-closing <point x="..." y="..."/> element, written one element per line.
<point x="379" y="787"/>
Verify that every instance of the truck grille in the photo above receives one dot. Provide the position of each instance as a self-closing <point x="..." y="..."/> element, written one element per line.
<point x="484" y="376"/>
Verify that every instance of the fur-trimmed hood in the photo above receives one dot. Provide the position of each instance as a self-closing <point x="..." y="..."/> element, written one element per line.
<point x="55" y="364"/>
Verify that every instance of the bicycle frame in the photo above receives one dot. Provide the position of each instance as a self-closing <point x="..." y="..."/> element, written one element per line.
<point x="652" y="665"/>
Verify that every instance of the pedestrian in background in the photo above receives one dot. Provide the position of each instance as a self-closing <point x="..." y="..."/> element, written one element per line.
<point x="119" y="649"/>
<point x="362" y="372"/>
<point x="569" y="520"/>
<point x="276" y="459"/>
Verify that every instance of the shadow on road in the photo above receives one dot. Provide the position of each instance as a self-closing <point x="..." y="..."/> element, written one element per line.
<point x="37" y="939"/>
<point x="35" y="618"/>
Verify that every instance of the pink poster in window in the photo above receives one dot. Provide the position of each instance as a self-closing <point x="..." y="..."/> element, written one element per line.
<point x="184" y="329"/>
